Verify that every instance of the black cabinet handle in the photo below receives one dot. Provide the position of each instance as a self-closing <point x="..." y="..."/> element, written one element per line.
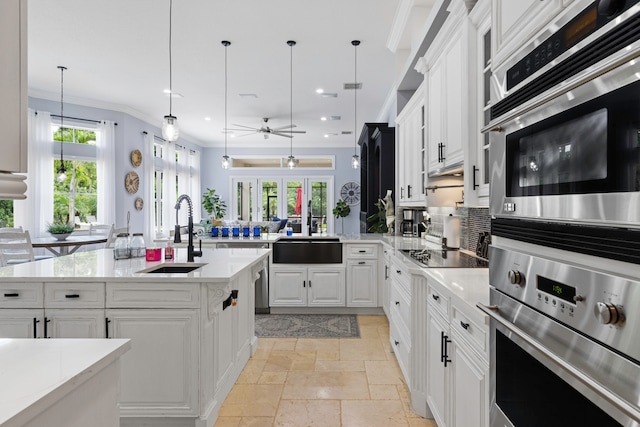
<point x="362" y="251"/>
<point x="408" y="191"/>
<point x="397" y="302"/>
<point x="386" y="272"/>
<point x="304" y="283"/>
<point x="12" y="295"/>
<point x="475" y="169"/>
<point x="226" y="303"/>
<point x="361" y="262"/>
<point x="399" y="271"/>
<point x="46" y="323"/>
<point x="106" y="327"/>
<point x="396" y="342"/>
<point x="464" y="325"/>
<point x="72" y="296"/>
<point x="435" y="297"/>
<point x="309" y="283"/>
<point x="402" y="192"/>
<point x="446" y="351"/>
<point x="35" y="327"/>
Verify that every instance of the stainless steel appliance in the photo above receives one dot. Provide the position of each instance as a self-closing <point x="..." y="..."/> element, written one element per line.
<point x="564" y="347"/>
<point x="437" y="258"/>
<point x="565" y="121"/>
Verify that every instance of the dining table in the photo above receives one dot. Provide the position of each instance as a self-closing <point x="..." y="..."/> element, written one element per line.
<point x="68" y="246"/>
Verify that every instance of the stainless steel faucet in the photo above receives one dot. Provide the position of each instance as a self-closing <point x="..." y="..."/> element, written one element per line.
<point x="191" y="253"/>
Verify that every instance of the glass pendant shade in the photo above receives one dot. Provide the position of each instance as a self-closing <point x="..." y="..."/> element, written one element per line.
<point x="225" y="162"/>
<point x="170" y="131"/>
<point x="355" y="161"/>
<point x="291" y="163"/>
<point x="62" y="175"/>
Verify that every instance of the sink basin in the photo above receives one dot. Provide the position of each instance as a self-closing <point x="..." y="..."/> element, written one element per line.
<point x="166" y="268"/>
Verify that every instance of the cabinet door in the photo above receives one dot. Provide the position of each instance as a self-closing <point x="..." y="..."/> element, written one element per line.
<point x="224" y="349"/>
<point x="159" y="374"/>
<point x="455" y="109"/>
<point x="434" y="115"/>
<point x="326" y="287"/>
<point x="21" y="323"/>
<point x="469" y="390"/>
<point x="362" y="290"/>
<point x="386" y="283"/>
<point x="437" y="373"/>
<point x="288" y="287"/>
<point x="74" y="323"/>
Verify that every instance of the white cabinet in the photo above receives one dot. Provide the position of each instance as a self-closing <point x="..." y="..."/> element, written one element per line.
<point x="160" y="372"/>
<point x="21" y="323"/>
<point x="400" y="325"/>
<point x="13" y="85"/>
<point x="447" y="97"/>
<point x="74" y="323"/>
<point x="457" y="360"/>
<point x="292" y="286"/>
<point x="514" y="23"/>
<point x="411" y="173"/>
<point x="362" y="275"/>
<point x="386" y="280"/>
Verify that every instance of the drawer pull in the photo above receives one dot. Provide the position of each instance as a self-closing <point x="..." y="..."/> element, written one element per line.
<point x="435" y="297"/>
<point x="361" y="262"/>
<point x="12" y="295"/>
<point x="399" y="271"/>
<point x="397" y="302"/>
<point x="72" y="296"/>
<point x="396" y="342"/>
<point x="362" y="251"/>
<point x="464" y="325"/>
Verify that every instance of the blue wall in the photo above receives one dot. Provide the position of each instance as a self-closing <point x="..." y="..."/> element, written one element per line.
<point x="129" y="136"/>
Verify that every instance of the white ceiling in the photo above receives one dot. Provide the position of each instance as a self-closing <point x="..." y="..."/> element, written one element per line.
<point x="117" y="55"/>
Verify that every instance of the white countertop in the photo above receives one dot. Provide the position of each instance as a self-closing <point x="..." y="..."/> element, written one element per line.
<point x="468" y="285"/>
<point x="36" y="373"/>
<point x="221" y="266"/>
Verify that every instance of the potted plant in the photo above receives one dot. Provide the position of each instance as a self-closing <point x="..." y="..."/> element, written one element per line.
<point x="378" y="220"/>
<point x="214" y="205"/>
<point x="341" y="210"/>
<point x="60" y="230"/>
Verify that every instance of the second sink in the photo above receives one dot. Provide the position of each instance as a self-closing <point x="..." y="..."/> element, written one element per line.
<point x="172" y="268"/>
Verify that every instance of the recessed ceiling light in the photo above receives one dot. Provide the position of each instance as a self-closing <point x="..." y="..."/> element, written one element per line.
<point x="324" y="119"/>
<point x="326" y="135"/>
<point x="208" y="119"/>
<point x="319" y="90"/>
<point x="167" y="91"/>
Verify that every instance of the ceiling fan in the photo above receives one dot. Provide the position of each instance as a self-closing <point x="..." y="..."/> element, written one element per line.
<point x="265" y="130"/>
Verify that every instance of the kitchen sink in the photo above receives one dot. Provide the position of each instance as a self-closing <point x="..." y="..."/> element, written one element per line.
<point x="172" y="268"/>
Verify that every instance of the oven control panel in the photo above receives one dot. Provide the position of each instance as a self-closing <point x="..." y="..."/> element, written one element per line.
<point x="594" y="303"/>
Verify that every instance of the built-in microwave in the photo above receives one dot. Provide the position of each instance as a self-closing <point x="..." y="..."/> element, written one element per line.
<point x="565" y="133"/>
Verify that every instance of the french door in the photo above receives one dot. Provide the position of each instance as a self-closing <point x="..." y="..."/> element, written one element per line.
<point x="306" y="202"/>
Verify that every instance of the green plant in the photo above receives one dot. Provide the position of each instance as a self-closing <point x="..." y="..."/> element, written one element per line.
<point x="342" y="209"/>
<point x="212" y="202"/>
<point x="378" y="220"/>
<point x="60" y="228"/>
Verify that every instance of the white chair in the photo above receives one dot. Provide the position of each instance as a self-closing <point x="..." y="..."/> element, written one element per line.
<point x="16" y="248"/>
<point x="100" y="229"/>
<point x="111" y="239"/>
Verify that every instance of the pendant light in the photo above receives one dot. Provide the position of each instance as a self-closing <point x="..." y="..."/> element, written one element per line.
<point x="225" y="158"/>
<point x="291" y="162"/>
<point x="355" y="160"/>
<point x="170" y="129"/>
<point x="62" y="173"/>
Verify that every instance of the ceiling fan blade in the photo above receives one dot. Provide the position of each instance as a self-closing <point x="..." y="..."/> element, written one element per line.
<point x="247" y="127"/>
<point x="247" y="134"/>
<point x="293" y="131"/>
<point x="281" y="134"/>
<point x="283" y="127"/>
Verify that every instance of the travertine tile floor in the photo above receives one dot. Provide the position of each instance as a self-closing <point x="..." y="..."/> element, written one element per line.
<point x="329" y="382"/>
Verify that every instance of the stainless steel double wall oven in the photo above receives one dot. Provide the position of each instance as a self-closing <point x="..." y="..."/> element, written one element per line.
<point x="565" y="206"/>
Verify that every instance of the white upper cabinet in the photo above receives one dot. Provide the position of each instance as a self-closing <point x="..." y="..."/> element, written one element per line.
<point x="410" y="137"/>
<point x="514" y="22"/>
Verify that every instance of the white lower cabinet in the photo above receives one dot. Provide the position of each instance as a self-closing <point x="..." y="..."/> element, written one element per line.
<point x="74" y="323"/>
<point x="363" y="283"/>
<point x="21" y="323"/>
<point x="160" y="372"/>
<point x="307" y="286"/>
<point x="457" y="366"/>
<point x="400" y="327"/>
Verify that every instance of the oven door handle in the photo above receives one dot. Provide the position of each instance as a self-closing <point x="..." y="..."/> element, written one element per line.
<point x="492" y="310"/>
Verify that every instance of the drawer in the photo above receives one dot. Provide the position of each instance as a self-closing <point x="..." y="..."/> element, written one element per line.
<point x="475" y="333"/>
<point x="21" y="295"/>
<point x="401" y="306"/>
<point x="153" y="295"/>
<point x="401" y="346"/>
<point x="362" y="251"/>
<point x="400" y="274"/>
<point x="74" y="295"/>
<point x="438" y="300"/>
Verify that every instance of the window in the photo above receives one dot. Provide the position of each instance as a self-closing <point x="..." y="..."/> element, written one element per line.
<point x="6" y="213"/>
<point x="75" y="199"/>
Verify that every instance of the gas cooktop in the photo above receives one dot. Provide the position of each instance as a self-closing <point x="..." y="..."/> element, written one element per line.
<point x="435" y="258"/>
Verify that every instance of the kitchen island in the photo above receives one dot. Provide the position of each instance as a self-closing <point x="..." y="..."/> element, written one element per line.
<point x="191" y="333"/>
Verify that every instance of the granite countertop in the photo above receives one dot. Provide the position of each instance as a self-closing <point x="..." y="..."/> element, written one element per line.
<point x="221" y="265"/>
<point x="36" y="373"/>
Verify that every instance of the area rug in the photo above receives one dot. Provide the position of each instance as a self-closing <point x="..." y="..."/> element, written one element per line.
<point x="307" y="326"/>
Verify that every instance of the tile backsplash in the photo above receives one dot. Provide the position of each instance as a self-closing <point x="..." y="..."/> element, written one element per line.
<point x="473" y="221"/>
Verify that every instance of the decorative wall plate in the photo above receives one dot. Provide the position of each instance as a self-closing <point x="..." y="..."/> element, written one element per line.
<point x="139" y="203"/>
<point x="350" y="193"/>
<point x="136" y="158"/>
<point x="132" y="182"/>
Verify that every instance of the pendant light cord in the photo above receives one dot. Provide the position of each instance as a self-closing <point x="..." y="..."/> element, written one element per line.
<point x="355" y="44"/>
<point x="170" y="59"/>
<point x="291" y="44"/>
<point x="226" y="44"/>
<point x="62" y="116"/>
